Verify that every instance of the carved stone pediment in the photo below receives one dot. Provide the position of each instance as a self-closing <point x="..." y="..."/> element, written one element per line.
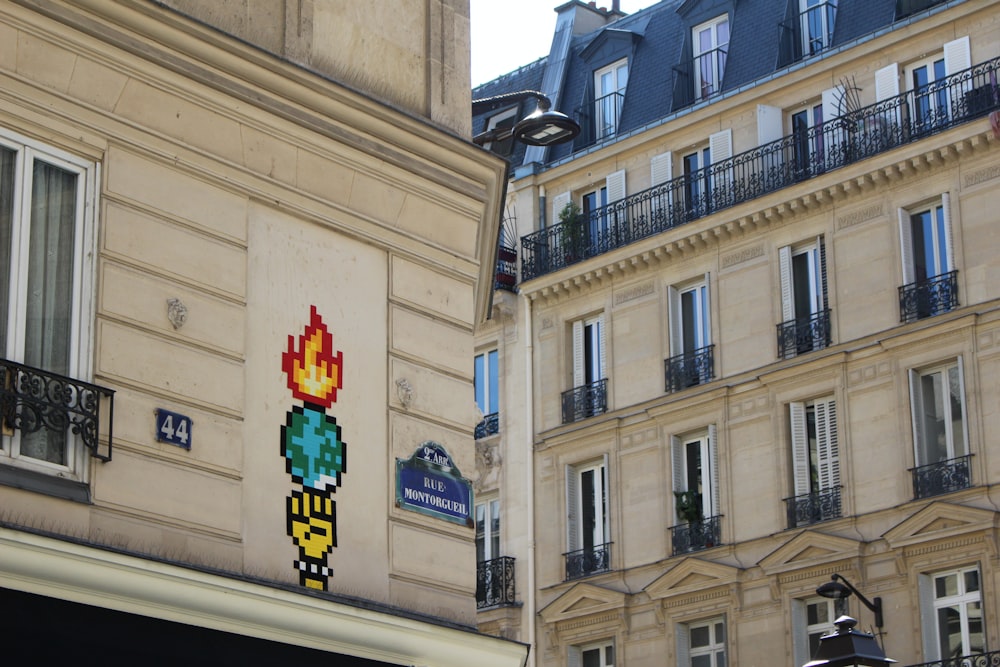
<point x="809" y="549"/>
<point x="939" y="521"/>
<point x="583" y="600"/>
<point x="692" y="575"/>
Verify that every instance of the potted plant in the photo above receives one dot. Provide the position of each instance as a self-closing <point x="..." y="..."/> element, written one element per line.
<point x="572" y="232"/>
<point x="688" y="506"/>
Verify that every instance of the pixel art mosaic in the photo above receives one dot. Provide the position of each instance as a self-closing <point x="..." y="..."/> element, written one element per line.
<point x="315" y="454"/>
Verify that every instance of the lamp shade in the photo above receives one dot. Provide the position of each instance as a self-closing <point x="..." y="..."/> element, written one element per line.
<point x="848" y="647"/>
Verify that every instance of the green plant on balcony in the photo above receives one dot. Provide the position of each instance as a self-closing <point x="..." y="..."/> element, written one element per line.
<point x="572" y="232"/>
<point x="688" y="506"/>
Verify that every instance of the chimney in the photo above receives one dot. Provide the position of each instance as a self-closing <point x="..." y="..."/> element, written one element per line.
<point x="616" y="6"/>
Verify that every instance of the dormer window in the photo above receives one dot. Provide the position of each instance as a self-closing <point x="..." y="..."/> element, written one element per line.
<point x="816" y="21"/>
<point x="609" y="95"/>
<point x="710" y="43"/>
<point x="502" y="120"/>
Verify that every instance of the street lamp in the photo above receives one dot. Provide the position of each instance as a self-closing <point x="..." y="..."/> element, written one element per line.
<point x="848" y="647"/>
<point x="839" y="588"/>
<point x="543" y="127"/>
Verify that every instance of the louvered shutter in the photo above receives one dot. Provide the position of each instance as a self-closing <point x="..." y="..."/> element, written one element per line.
<point x="800" y="449"/>
<point x="605" y="509"/>
<point x="917" y="412"/>
<point x="677" y="468"/>
<point x="769" y="124"/>
<point x="713" y="463"/>
<point x="785" y="275"/>
<point x="928" y="618"/>
<point x="957" y="56"/>
<point x="615" y="183"/>
<point x="572" y="516"/>
<point x="559" y="202"/>
<point x="681" y="635"/>
<point x="962" y="448"/>
<point x="886" y="82"/>
<point x="600" y="339"/>
<point x="578" y="361"/>
<point x="833" y="103"/>
<point x="574" y="657"/>
<point x="720" y="147"/>
<point x="821" y="245"/>
<point x="949" y="241"/>
<point x="906" y="246"/>
<point x="828" y="452"/>
<point x="708" y="310"/>
<point x="674" y="324"/>
<point x="661" y="170"/>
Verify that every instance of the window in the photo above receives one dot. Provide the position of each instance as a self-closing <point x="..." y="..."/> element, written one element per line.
<point x="487" y="393"/>
<point x="711" y="42"/>
<point x="598" y="654"/>
<point x="609" y="95"/>
<point x="47" y="203"/>
<point x="690" y="330"/>
<point x="708" y="175"/>
<point x="816" y="19"/>
<point x="806" y="319"/>
<point x="487" y="530"/>
<point x="702" y="644"/>
<point x="930" y="283"/>
<point x="811" y="619"/>
<point x="698" y="181"/>
<point x="937" y="400"/>
<point x="505" y="120"/>
<point x="597" y="223"/>
<point x="695" y="470"/>
<point x="494" y="573"/>
<point x="588" y="396"/>
<point x="952" y="614"/>
<point x="807" y="141"/>
<point x="587" y="537"/>
<point x="815" y="463"/>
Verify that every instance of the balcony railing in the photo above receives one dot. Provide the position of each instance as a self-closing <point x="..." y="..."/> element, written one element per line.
<point x="695" y="536"/>
<point x="810" y="508"/>
<point x="586" y="401"/>
<point x="599" y="119"/>
<point x="804" y="334"/>
<point x="33" y="399"/>
<point x="871" y="130"/>
<point x="495" y="583"/>
<point x="584" y="562"/>
<point x="807" y="33"/>
<point x="905" y="8"/>
<point x="489" y="426"/>
<point x="689" y="369"/>
<point x="506" y="277"/>
<point x="927" y="298"/>
<point x="935" y="479"/>
<point x="699" y="78"/>
<point x="988" y="659"/>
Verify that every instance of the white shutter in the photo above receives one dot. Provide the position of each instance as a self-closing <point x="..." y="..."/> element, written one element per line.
<point x="601" y="355"/>
<point x="821" y="246"/>
<point x="661" y="168"/>
<point x="674" y="321"/>
<point x="720" y="147"/>
<point x="574" y="657"/>
<point x="683" y="642"/>
<point x="769" y="124"/>
<point x="949" y="239"/>
<point x="713" y="472"/>
<point x="578" y="361"/>
<point x="828" y="451"/>
<point x="928" y="618"/>
<point x="800" y="448"/>
<point x="833" y="100"/>
<point x="785" y="275"/>
<point x="616" y="186"/>
<point x="800" y="644"/>
<point x="605" y="509"/>
<point x="906" y="246"/>
<point x="962" y="448"/>
<point x="677" y="468"/>
<point x="572" y="517"/>
<point x="559" y="202"/>
<point x="886" y="82"/>
<point x="917" y="414"/>
<point x="708" y="310"/>
<point x="957" y="56"/>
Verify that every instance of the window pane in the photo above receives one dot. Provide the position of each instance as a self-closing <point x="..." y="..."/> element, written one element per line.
<point x="950" y="632"/>
<point x="955" y="405"/>
<point x="6" y="225"/>
<point x="946" y="585"/>
<point x="700" y="636"/>
<point x="971" y="581"/>
<point x="701" y="661"/>
<point x="720" y="633"/>
<point x="480" y="382"/>
<point x="592" y="657"/>
<point x="480" y="533"/>
<point x="977" y="640"/>
<point x="494" y="389"/>
<point x="609" y="653"/>
<point x="935" y="445"/>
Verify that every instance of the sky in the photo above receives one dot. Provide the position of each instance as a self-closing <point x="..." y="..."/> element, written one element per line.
<point x="509" y="33"/>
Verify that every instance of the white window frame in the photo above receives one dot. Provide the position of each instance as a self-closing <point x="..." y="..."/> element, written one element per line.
<point x="492" y="123"/>
<point x="705" y="88"/>
<point x="83" y="285"/>
<point x="604" y="649"/>
<point x="954" y="445"/>
<point x="815" y="257"/>
<point x="942" y="242"/>
<point x="965" y="600"/>
<point x="701" y="302"/>
<point x="714" y="649"/>
<point x="607" y="110"/>
<point x="488" y="544"/>
<point x="826" y="458"/>
<point x="592" y="329"/>
<point x="487" y="386"/>
<point x="826" y="31"/>
<point x="803" y="632"/>
<point x="709" y="476"/>
<point x="575" y="538"/>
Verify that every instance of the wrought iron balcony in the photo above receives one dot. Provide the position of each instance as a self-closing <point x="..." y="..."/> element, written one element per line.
<point x="495" y="583"/>
<point x="988" y="659"/>
<point x="689" y="369"/>
<point x="806" y="33"/>
<point x="32" y="399"/>
<point x="696" y="535"/>
<point x="699" y="78"/>
<point x="489" y="426"/>
<point x="905" y="8"/>
<point x="810" y="508"/>
<point x="586" y="401"/>
<point x="935" y="479"/>
<point x="927" y="298"/>
<point x="506" y="277"/>
<point x="858" y="135"/>
<point x="599" y="119"/>
<point x="584" y="562"/>
<point x="804" y="334"/>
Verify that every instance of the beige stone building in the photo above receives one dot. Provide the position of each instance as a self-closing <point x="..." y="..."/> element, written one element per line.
<point x="240" y="252"/>
<point x="753" y="340"/>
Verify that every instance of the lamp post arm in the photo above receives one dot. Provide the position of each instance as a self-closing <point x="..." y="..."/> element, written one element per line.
<point x="488" y="103"/>
<point x="874" y="606"/>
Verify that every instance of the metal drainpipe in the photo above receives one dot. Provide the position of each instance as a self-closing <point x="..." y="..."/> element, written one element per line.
<point x="529" y="427"/>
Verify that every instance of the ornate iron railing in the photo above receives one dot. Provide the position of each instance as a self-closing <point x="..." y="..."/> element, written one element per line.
<point x="804" y="334"/>
<point x="584" y="562"/>
<point x="927" y="298"/>
<point x="857" y="135"/>
<point x="905" y="8"/>
<point x="489" y="426"/>
<point x="818" y="21"/>
<point x="988" y="659"/>
<point x="585" y="401"/>
<point x="506" y="276"/>
<point x="935" y="479"/>
<point x="810" y="508"/>
<point x="699" y="78"/>
<point x="689" y="369"/>
<point x="32" y="399"/>
<point x="599" y="119"/>
<point x="695" y="536"/>
<point x="495" y="582"/>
